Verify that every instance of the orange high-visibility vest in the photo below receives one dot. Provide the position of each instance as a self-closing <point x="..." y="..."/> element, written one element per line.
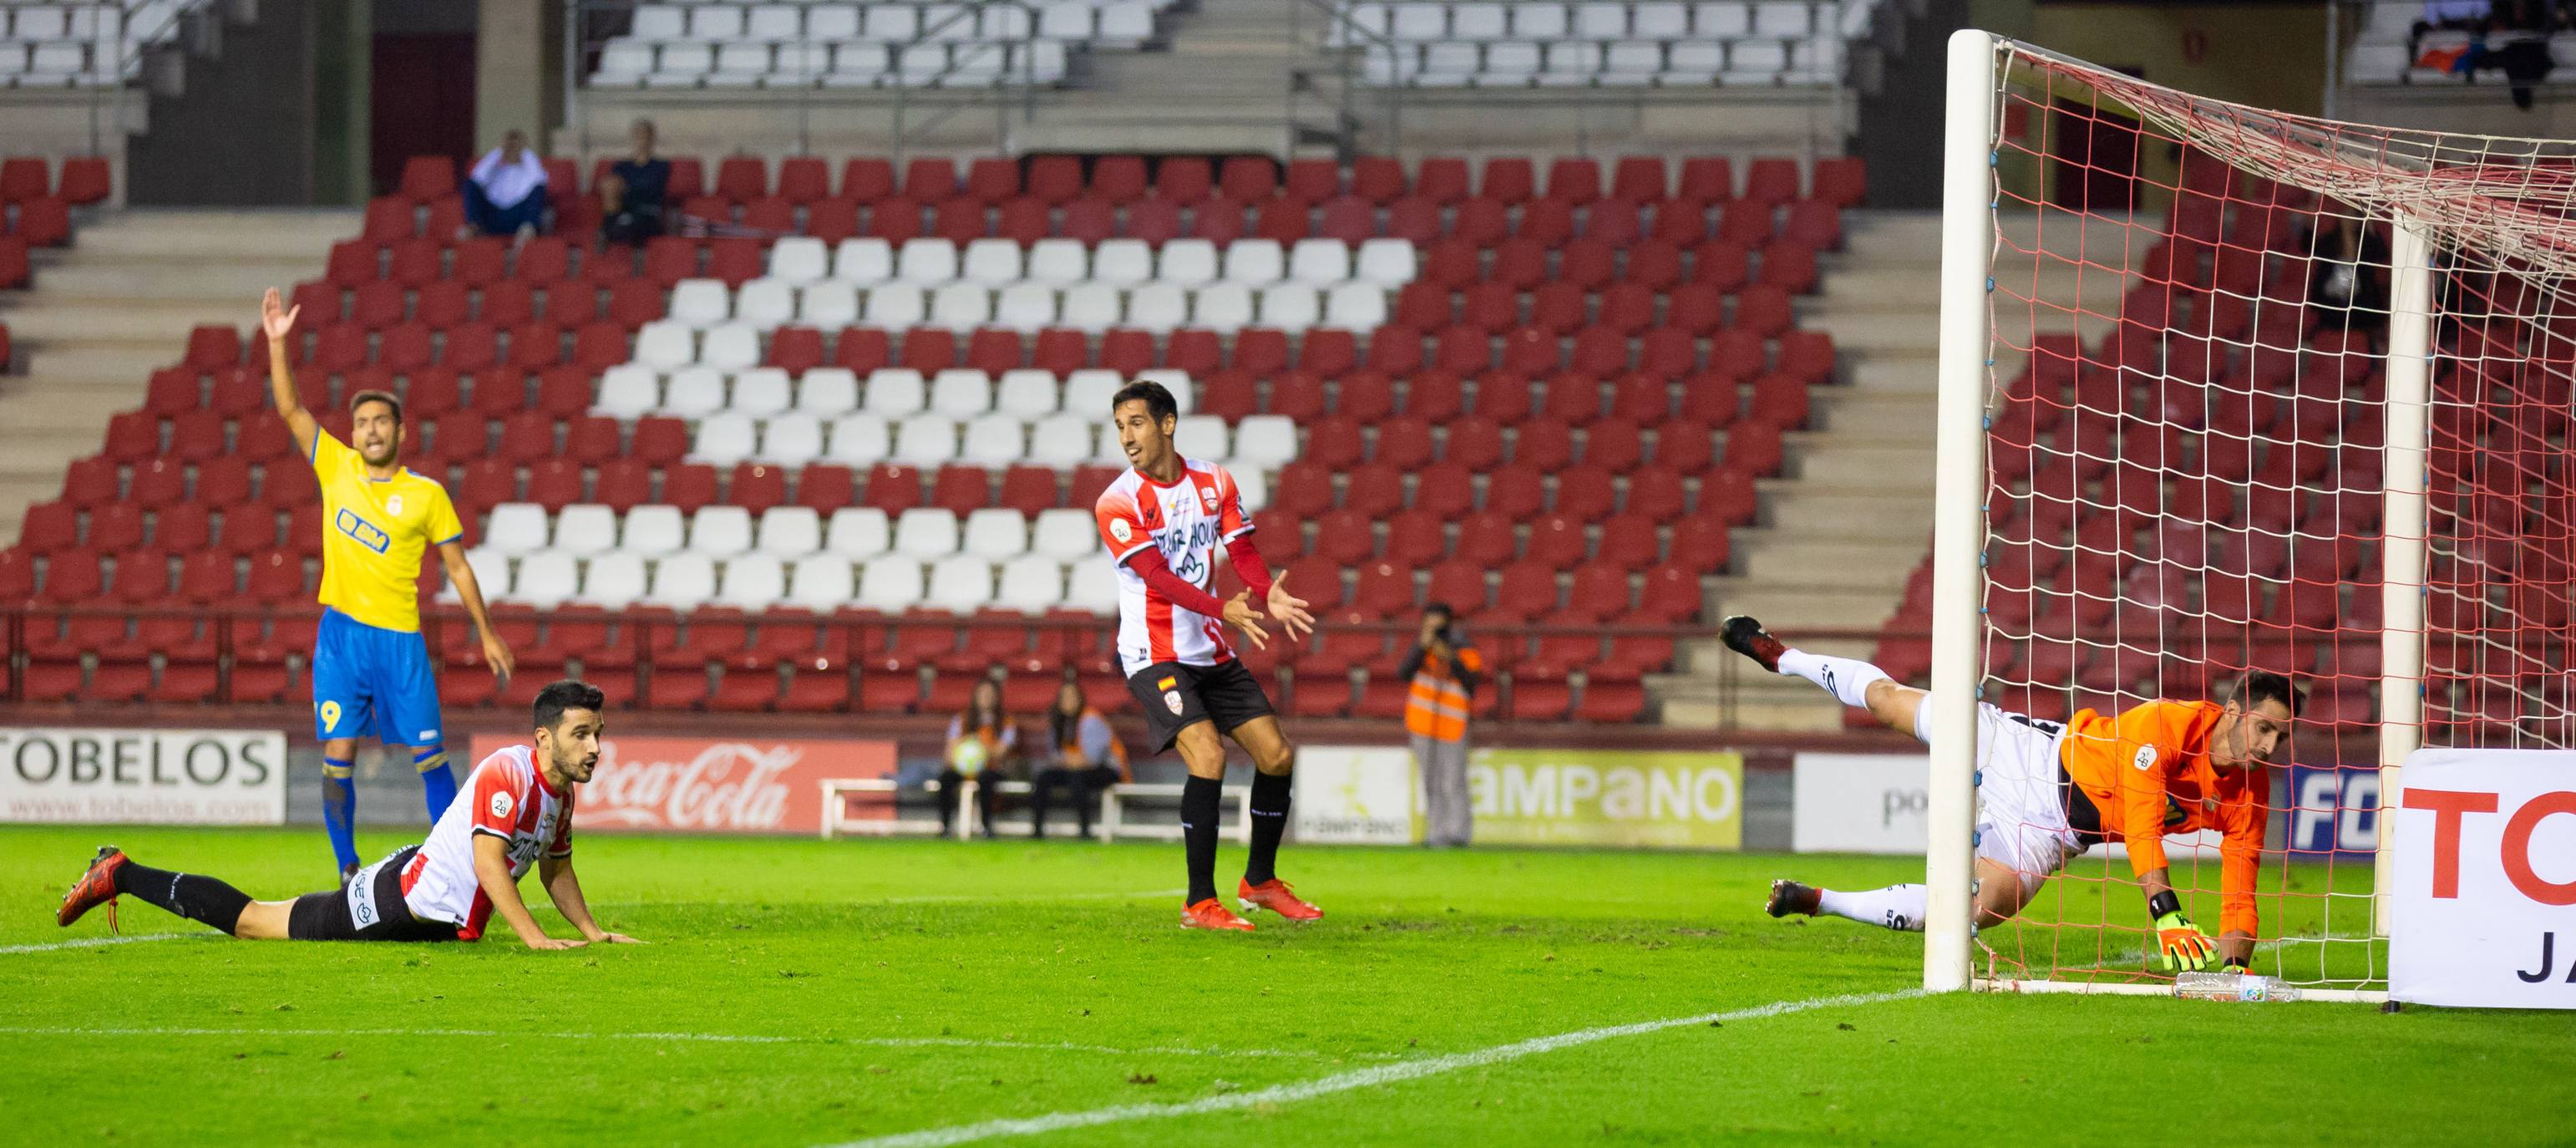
<point x="1438" y="706"/>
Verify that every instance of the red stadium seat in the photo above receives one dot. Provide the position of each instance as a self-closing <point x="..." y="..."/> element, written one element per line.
<point x="826" y="487"/>
<point x="867" y="179"/>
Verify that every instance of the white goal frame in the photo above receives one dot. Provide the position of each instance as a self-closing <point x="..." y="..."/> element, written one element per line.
<point x="1969" y="197"/>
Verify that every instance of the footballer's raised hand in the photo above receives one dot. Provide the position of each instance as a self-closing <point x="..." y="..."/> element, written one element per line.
<point x="1240" y="615"/>
<point x="275" y="317"/>
<point x="1289" y="609"/>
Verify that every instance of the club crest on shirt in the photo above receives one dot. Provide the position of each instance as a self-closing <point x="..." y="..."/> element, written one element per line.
<point x="1207" y="498"/>
<point x="393" y="505"/>
<point x="1119" y="530"/>
<point x="1172" y="698"/>
<point x="501" y="804"/>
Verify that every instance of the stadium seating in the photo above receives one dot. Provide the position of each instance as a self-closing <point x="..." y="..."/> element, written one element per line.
<point x="1668" y="43"/>
<point x="1472" y="395"/>
<point x="36" y="211"/>
<point x="844" y="45"/>
<point x="83" y="44"/>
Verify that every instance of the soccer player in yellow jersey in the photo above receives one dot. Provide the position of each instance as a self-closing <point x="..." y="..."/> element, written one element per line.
<point x="371" y="674"/>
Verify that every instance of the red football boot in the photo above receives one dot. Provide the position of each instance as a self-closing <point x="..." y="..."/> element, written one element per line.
<point x="1212" y="914"/>
<point x="1275" y="895"/>
<point x="97" y="885"/>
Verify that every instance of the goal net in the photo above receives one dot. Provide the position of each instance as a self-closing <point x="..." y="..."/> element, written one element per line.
<point x="2227" y="389"/>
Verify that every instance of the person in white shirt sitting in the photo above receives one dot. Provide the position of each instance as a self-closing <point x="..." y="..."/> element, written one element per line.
<point x="506" y="193"/>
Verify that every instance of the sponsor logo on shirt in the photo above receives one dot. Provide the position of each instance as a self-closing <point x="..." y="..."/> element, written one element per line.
<point x="501" y="804"/>
<point x="366" y="533"/>
<point x="2145" y="760"/>
<point x="1119" y="530"/>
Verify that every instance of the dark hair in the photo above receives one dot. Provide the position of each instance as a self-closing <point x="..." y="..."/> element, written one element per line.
<point x="2261" y="686"/>
<point x="1442" y="609"/>
<point x="1159" y="404"/>
<point x="968" y="717"/>
<point x="362" y="398"/>
<point x="553" y="700"/>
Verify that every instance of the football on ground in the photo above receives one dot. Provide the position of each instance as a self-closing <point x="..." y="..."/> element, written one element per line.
<point x="902" y="992"/>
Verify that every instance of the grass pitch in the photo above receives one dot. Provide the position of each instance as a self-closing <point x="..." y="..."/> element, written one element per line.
<point x="800" y="993"/>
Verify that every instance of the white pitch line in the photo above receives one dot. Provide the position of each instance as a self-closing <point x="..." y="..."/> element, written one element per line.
<point x="691" y="1037"/>
<point x="943" y="899"/>
<point x="1345" y="1081"/>
<point x="93" y="942"/>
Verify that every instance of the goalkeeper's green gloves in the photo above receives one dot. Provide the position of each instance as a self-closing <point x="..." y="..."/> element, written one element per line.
<point x="2182" y="946"/>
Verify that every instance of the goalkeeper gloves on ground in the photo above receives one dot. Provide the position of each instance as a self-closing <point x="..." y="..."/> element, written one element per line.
<point x="2183" y="947"/>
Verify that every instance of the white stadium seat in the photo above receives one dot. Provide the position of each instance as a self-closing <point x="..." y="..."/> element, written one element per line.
<point x="1094" y="588"/>
<point x="1087" y="392"/>
<point x="658" y="22"/>
<point x="1160" y="308"/>
<point x="829" y="305"/>
<point x="701" y="302"/>
<point x="1187" y="263"/>
<point x="1571" y="64"/>
<point x="895" y="306"/>
<point x="856" y="533"/>
<point x="890" y="583"/>
<point x="1222" y="307"/>
<point x="752" y="582"/>
<point x="994" y="442"/>
<point x="1063" y="440"/>
<point x="859" y="440"/>
<point x="614" y="581"/>
<point x="1509" y="65"/>
<point x="863" y="262"/>
<point x="1290" y="306"/>
<point x="1660" y="20"/>
<point x="584" y="529"/>
<point x="628" y="391"/>
<point x="995" y="534"/>
<point x="681" y="65"/>
<point x="720" y="531"/>
<point x="1174" y="380"/>
<point x="1600" y="21"/>
<point x="894" y="392"/>
<point x="991" y="263"/>
<point x="830" y="22"/>
<point x="925" y="440"/>
<point x="1319" y="262"/>
<point x="775" y="22"/>
<point x="693" y="392"/>
<point x="622" y="62"/>
<point x="1693" y="62"/>
<point x="960" y="583"/>
<point x="1253" y="487"/>
<point x="1756" y="60"/>
<point x="1091" y="308"/>
<point x="894" y="22"/>
<point x="725" y="439"/>
<point x="1026" y="393"/>
<point x="715" y="22"/>
<point x="926" y="261"/>
<point x="1064" y="534"/>
<point x="653" y="530"/>
<point x="761" y="392"/>
<point x="740" y="65"/>
<point x="1447" y="65"/>
<point x="821" y="583"/>
<point x="1538" y="22"/>
<point x="961" y="393"/>
<point x="1030" y="584"/>
<point x="961" y="306"/>
<point x="1781" y="21"/>
<point x="827" y="392"/>
<point x="1484" y="21"/>
<point x="1254" y="262"/>
<point x="1635" y="62"/>
<point x="1265" y="442"/>
<point x="790" y="440"/>
<point x="1387" y="263"/>
<point x="1025" y="307"/>
<point x="790" y="532"/>
<point x="1066" y="20"/>
<point x="666" y="344"/>
<point x="1058" y="262"/>
<point x="1417" y="21"/>
<point x="1203" y="437"/>
<point x="1355" y="307"/>
<point x="491" y="574"/>
<point x="765" y="302"/>
<point x="517" y="529"/>
<point x="1721" y="20"/>
<point x="1122" y="262"/>
<point x="730" y="346"/>
<point x="1125" y="23"/>
<point x="682" y="581"/>
<point x="925" y="533"/>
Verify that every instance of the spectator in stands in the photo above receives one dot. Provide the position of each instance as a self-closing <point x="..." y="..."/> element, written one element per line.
<point x="996" y="747"/>
<point x="1089" y="759"/>
<point x="2348" y="274"/>
<point x="2445" y="16"/>
<point x="2517" y="42"/>
<point x="1445" y="669"/>
<point x="506" y="192"/>
<point x="631" y="194"/>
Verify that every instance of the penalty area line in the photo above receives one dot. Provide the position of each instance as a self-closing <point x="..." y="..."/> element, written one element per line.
<point x="94" y="942"/>
<point x="1348" y="1081"/>
<point x="692" y="1037"/>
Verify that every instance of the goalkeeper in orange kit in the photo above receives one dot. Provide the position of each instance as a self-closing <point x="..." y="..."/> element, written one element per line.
<point x="2047" y="792"/>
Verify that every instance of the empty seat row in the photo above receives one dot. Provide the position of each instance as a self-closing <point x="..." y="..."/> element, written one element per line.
<point x="821" y="583"/>
<point x="894" y="23"/>
<point x="1258" y="443"/>
<point x="795" y="65"/>
<point x="1596" y="20"/>
<point x="1026" y="308"/>
<point x="931" y="261"/>
<point x="586" y="530"/>
<point x="1630" y="63"/>
<point x="635" y="390"/>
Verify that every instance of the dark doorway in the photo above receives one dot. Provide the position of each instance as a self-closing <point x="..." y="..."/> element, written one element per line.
<point x="2096" y="149"/>
<point x="423" y="102"/>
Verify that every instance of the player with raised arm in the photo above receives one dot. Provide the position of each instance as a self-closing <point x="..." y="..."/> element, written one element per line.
<point x="371" y="673"/>
<point x="517" y="812"/>
<point x="1163" y="522"/>
<point x="2048" y="791"/>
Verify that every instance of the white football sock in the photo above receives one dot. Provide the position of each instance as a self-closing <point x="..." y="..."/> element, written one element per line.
<point x="1847" y="679"/>
<point x="1898" y="907"/>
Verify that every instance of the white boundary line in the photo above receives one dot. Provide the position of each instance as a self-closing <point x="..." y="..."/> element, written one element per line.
<point x="940" y="899"/>
<point x="698" y="1037"/>
<point x="1345" y="1081"/>
<point x="94" y="942"/>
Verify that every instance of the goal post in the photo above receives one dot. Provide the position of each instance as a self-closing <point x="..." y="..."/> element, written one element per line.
<point x="2226" y="389"/>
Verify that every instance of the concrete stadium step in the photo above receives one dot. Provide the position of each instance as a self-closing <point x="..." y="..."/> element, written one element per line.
<point x="1849" y="563"/>
<point x="45" y="319"/>
<point x="1901" y="463"/>
<point x="178" y="232"/>
<point x="1878" y="414"/>
<point x="143" y="277"/>
<point x="1804" y="506"/>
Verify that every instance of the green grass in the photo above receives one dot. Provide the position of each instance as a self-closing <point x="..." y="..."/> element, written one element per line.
<point x="918" y="985"/>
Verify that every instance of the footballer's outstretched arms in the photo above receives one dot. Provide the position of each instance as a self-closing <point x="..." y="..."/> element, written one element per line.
<point x="565" y="889"/>
<point x="492" y="872"/>
<point x="460" y="574"/>
<point x="277" y="321"/>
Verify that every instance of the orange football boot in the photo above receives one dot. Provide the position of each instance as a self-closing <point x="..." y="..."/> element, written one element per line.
<point x="97" y="885"/>
<point x="1275" y="895"/>
<point x="1212" y="914"/>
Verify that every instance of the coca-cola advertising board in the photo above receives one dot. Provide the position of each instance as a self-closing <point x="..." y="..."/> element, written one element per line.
<point x="694" y="785"/>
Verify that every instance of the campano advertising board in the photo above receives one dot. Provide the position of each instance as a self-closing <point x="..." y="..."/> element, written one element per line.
<point x="2483" y="912"/>
<point x="1607" y="797"/>
<point x="695" y="785"/>
<point x="143" y="776"/>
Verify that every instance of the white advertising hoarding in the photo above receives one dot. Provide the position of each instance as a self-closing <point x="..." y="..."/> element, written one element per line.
<point x="2483" y="913"/>
<point x="143" y="776"/>
<point x="1355" y="795"/>
<point x="1858" y="802"/>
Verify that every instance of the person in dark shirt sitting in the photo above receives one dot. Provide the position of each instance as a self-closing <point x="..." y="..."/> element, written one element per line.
<point x="632" y="193"/>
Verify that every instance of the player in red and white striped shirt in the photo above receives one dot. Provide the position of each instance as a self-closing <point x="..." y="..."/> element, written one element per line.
<point x="517" y="806"/>
<point x="1164" y="522"/>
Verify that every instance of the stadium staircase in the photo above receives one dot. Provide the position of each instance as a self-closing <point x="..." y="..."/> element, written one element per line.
<point x="1215" y="86"/>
